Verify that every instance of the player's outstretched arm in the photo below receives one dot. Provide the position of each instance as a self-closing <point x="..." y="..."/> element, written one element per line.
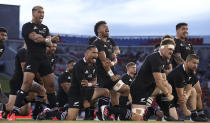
<point x="159" y="80"/>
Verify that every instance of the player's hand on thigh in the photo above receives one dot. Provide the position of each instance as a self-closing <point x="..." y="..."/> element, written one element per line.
<point x="170" y="97"/>
<point x="115" y="78"/>
<point x="84" y="83"/>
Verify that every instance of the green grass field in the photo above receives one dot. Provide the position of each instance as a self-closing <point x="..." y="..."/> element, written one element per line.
<point x="4" y="83"/>
<point x="82" y="121"/>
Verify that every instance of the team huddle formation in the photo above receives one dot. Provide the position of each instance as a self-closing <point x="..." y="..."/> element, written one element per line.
<point x="167" y="77"/>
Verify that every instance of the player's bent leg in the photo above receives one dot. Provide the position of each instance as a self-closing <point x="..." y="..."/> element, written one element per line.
<point x="27" y="81"/>
<point x="49" y="83"/>
<point x="39" y="89"/>
<point x="72" y="114"/>
<point x="11" y="102"/>
<point x="199" y="96"/>
<point x="114" y="97"/>
<point x="98" y="92"/>
<point x="50" y="89"/>
<point x="137" y="112"/>
<point x="25" y="110"/>
<point x="122" y="88"/>
<point x="192" y="100"/>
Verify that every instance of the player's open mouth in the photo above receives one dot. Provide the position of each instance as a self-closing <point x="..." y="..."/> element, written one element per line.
<point x="94" y="59"/>
<point x="41" y="18"/>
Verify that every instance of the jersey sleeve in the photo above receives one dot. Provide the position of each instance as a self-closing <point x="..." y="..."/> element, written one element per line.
<point x="99" y="45"/>
<point x="125" y="79"/>
<point x="78" y="74"/>
<point x="177" y="47"/>
<point x="156" y="64"/>
<point x="47" y="31"/>
<point x="113" y="42"/>
<point x="26" y="30"/>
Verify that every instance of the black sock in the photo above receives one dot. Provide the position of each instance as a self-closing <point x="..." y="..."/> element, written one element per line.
<point x="52" y="100"/>
<point x="38" y="105"/>
<point x="20" y="98"/>
<point x="91" y="112"/>
<point x="114" y="110"/>
<point x="199" y="112"/>
<point x="163" y="103"/>
<point x="194" y="113"/>
<point x="87" y="113"/>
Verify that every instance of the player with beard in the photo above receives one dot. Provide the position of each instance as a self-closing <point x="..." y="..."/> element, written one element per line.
<point x="81" y="92"/>
<point x="182" y="50"/>
<point x="151" y="79"/>
<point x="37" y="37"/>
<point x="181" y="79"/>
<point x="161" y="100"/>
<point x="106" y="78"/>
<point x="64" y="81"/>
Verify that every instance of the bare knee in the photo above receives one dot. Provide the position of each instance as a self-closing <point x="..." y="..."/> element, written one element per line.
<point x="193" y="92"/>
<point x="106" y="92"/>
<point x="125" y="90"/>
<point x="198" y="91"/>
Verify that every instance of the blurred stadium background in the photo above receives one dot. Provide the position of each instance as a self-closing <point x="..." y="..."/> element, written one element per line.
<point x="133" y="48"/>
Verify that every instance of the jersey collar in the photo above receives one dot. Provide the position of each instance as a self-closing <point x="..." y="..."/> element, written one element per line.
<point x="183" y="67"/>
<point x="84" y="60"/>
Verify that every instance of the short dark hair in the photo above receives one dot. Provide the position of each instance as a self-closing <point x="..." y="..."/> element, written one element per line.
<point x="2" y="29"/>
<point x="191" y="57"/>
<point x="179" y="25"/>
<point x="168" y="41"/>
<point x="97" y="26"/>
<point x="167" y="36"/>
<point x="36" y="7"/>
<point x="130" y="64"/>
<point x="90" y="47"/>
<point x="70" y="61"/>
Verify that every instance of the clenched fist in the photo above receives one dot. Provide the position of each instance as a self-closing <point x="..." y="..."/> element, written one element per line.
<point x="170" y="97"/>
<point x="115" y="78"/>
